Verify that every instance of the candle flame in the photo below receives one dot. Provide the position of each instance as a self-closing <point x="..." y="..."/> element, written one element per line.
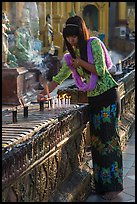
<point x="119" y="61"/>
<point x="64" y="96"/>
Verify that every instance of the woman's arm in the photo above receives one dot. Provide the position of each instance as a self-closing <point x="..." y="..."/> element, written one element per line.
<point x="63" y="74"/>
<point x="48" y="88"/>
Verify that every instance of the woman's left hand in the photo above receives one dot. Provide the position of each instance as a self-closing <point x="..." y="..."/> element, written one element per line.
<point x="75" y="62"/>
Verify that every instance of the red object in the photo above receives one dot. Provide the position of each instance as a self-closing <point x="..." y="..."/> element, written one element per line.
<point x="44" y="99"/>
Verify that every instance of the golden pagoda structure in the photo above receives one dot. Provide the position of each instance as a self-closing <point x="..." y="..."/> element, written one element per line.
<point x="95" y="14"/>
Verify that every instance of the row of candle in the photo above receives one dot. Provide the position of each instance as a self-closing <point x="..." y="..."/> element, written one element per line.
<point x="56" y="103"/>
<point x="61" y="102"/>
<point x="53" y="103"/>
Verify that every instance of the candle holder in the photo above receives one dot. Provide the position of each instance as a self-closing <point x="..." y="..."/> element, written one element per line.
<point x="14" y="115"/>
<point x="41" y="103"/>
<point x="25" y="111"/>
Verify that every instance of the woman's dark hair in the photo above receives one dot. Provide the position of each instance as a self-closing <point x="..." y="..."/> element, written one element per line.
<point x="79" y="29"/>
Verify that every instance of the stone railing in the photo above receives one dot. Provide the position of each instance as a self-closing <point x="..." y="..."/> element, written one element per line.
<point x="48" y="153"/>
<point x="122" y="45"/>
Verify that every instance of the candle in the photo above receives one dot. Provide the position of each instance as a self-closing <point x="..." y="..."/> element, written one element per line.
<point x="120" y="66"/>
<point x="56" y="103"/>
<point x="59" y="102"/>
<point x="66" y="101"/>
<point x="53" y="103"/>
<point x="49" y="104"/>
<point x="69" y="101"/>
<point x="63" y="103"/>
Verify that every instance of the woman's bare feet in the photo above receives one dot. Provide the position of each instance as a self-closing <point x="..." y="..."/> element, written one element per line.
<point x="110" y="195"/>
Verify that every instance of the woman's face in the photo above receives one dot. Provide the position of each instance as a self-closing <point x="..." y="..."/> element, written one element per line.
<point x="73" y="40"/>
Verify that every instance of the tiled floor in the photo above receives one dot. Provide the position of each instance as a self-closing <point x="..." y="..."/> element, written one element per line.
<point x="128" y="194"/>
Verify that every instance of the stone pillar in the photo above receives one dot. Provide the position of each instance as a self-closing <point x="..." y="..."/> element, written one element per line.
<point x="68" y="8"/>
<point x="49" y="6"/>
<point x="42" y="21"/>
<point x="19" y="9"/>
<point x="58" y="39"/>
<point x="62" y="14"/>
<point x="131" y="19"/>
<point x="106" y="22"/>
<point x="77" y="8"/>
<point x="103" y="19"/>
<point x="55" y="15"/>
<point x="122" y="12"/>
<point x="10" y="8"/>
<point x="5" y="6"/>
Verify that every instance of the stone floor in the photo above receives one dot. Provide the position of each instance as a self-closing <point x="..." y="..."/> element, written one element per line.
<point x="128" y="194"/>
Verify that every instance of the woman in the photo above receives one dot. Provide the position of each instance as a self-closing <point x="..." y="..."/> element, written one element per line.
<point x="93" y="64"/>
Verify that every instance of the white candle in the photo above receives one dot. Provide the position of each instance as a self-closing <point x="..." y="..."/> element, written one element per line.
<point x="120" y="66"/>
<point x="69" y="101"/>
<point x="49" y="104"/>
<point x="66" y="102"/>
<point x="59" y="102"/>
<point x="53" y="103"/>
<point x="63" y="103"/>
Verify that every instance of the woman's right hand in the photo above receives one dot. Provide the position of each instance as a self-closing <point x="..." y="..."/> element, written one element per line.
<point x="46" y="91"/>
<point x="41" y="97"/>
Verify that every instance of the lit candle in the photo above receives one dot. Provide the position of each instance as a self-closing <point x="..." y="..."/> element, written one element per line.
<point x="120" y="66"/>
<point x="56" y="103"/>
<point x="49" y="104"/>
<point x="59" y="102"/>
<point x="66" y="100"/>
<point x="53" y="103"/>
<point x="63" y="100"/>
<point x="69" y="101"/>
<point x="63" y="103"/>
